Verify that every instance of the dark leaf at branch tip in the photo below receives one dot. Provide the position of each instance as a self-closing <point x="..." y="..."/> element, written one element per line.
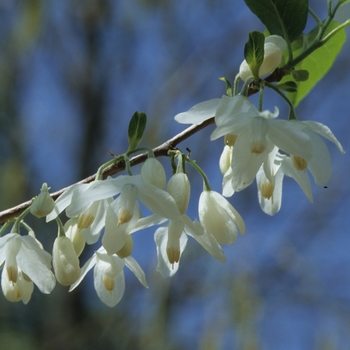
<point x="286" y="18"/>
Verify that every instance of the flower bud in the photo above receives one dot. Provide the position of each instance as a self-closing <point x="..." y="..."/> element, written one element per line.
<point x="65" y="261"/>
<point x="153" y="172"/>
<point x="74" y="234"/>
<point x="43" y="204"/>
<point x="273" y="50"/>
<point x="225" y="159"/>
<point x="219" y="218"/>
<point x="179" y="188"/>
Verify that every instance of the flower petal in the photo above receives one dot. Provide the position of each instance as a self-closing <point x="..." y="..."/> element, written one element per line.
<point x="164" y="267"/>
<point x="324" y="131"/>
<point x="301" y="177"/>
<point x="134" y="266"/>
<point x="199" y="112"/>
<point x="233" y="115"/>
<point x="83" y="271"/>
<point x="289" y="137"/>
<point x="205" y="239"/>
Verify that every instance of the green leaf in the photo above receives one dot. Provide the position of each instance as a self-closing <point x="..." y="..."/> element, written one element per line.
<point x="286" y="18"/>
<point x="289" y="86"/>
<point x="136" y="129"/>
<point x="300" y="75"/>
<point x="254" y="51"/>
<point x="318" y="62"/>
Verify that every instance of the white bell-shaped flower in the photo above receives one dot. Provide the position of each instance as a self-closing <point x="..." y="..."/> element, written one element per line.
<point x="109" y="280"/>
<point x="152" y="172"/>
<point x="219" y="217"/>
<point x="43" y="204"/>
<point x="65" y="261"/>
<point x="273" y="53"/>
<point x="258" y="134"/>
<point x="75" y="235"/>
<point x="179" y="188"/>
<point x="23" y="261"/>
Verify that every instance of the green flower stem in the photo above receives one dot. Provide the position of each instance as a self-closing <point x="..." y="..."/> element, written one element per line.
<point x="127" y="164"/>
<point x="316" y="18"/>
<point x="292" y="114"/>
<point x="261" y="95"/>
<point x="16" y="225"/>
<point x="4" y="227"/>
<point x="60" y="232"/>
<point x="235" y="85"/>
<point x="206" y="184"/>
<point x="99" y="174"/>
<point x="319" y="41"/>
<point x="335" y="31"/>
<point x="26" y="226"/>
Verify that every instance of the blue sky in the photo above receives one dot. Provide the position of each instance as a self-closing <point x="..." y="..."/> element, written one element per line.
<point x="162" y="60"/>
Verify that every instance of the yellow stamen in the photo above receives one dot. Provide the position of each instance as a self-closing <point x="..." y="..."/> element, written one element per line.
<point x="108" y="283"/>
<point x="266" y="189"/>
<point x="299" y="162"/>
<point x="85" y="220"/>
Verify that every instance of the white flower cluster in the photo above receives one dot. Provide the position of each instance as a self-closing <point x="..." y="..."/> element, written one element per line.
<point x="257" y="145"/>
<point x="112" y="207"/>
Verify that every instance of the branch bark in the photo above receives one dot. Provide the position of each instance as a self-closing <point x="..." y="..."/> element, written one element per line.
<point x="161" y="150"/>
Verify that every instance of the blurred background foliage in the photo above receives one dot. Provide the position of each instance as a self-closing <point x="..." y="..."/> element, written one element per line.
<point x="72" y="73"/>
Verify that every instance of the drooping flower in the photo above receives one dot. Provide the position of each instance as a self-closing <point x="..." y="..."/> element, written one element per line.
<point x="25" y="261"/>
<point x="109" y="280"/>
<point x="320" y="163"/>
<point x="257" y="135"/>
<point x="75" y="235"/>
<point x="152" y="172"/>
<point x="171" y="242"/>
<point x="21" y="290"/>
<point x="219" y="217"/>
<point x="65" y="261"/>
<point x="273" y="51"/>
<point x="121" y="217"/>
<point x="270" y="180"/>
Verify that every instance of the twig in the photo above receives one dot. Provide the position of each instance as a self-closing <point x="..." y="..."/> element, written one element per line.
<point x="159" y="151"/>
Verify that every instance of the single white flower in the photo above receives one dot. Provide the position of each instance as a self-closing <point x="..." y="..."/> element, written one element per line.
<point x="116" y="238"/>
<point x="270" y="180"/>
<point x="258" y="133"/>
<point x="21" y="290"/>
<point x="273" y="53"/>
<point x="320" y="163"/>
<point x="219" y="217"/>
<point x="43" y="204"/>
<point x="109" y="280"/>
<point x="74" y="234"/>
<point x="152" y="172"/>
<point x="179" y="188"/>
<point x="65" y="261"/>
<point x="171" y="242"/>
<point x="23" y="256"/>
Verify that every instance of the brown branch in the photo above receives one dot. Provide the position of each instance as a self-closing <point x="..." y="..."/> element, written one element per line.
<point x="113" y="169"/>
<point x="161" y="150"/>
